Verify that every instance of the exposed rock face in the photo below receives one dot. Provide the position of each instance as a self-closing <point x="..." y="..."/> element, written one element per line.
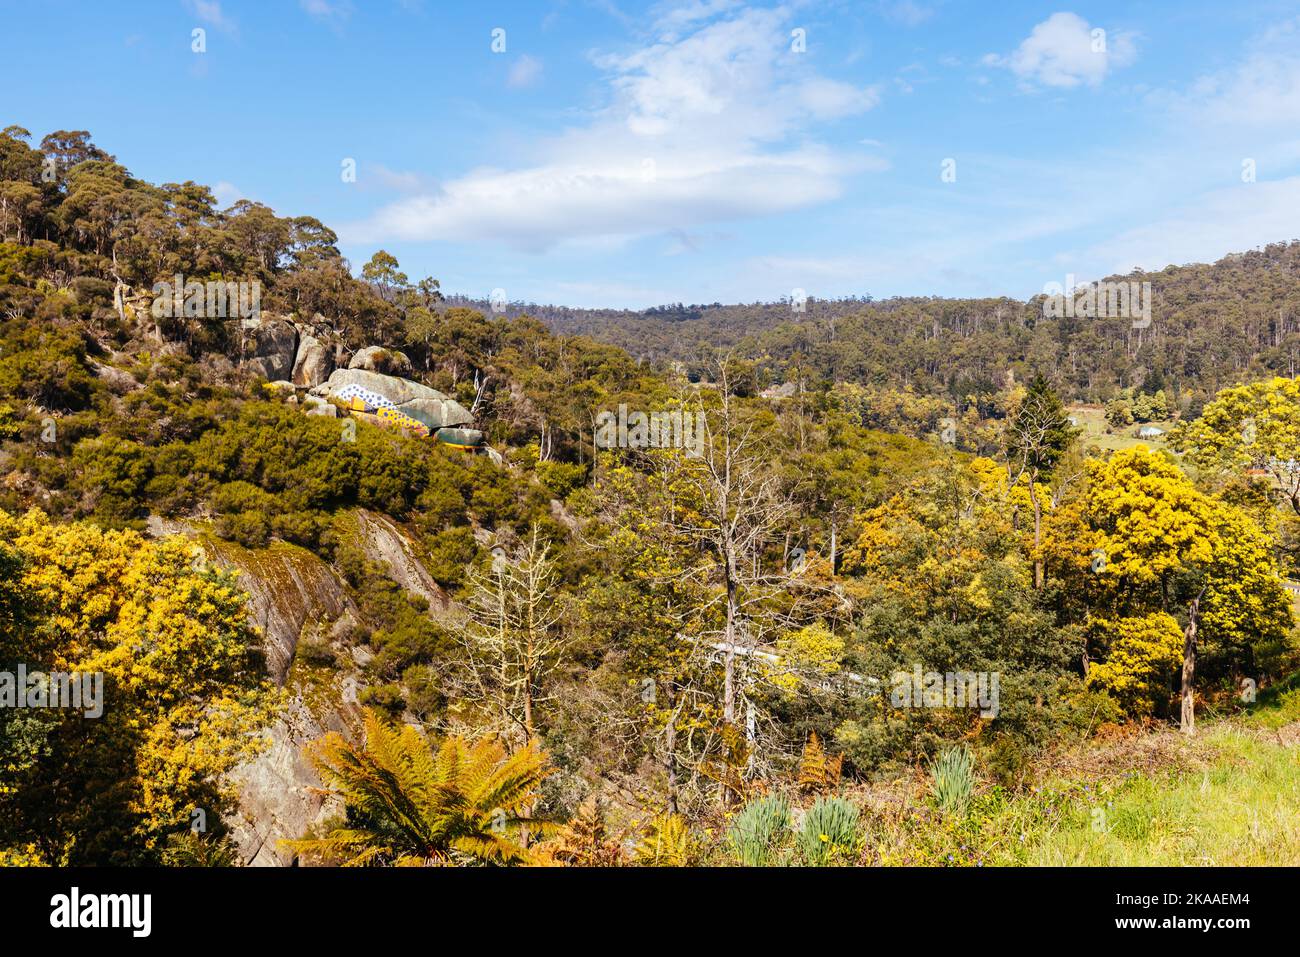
<point x="438" y="413"/>
<point x="315" y="406"/>
<point x="118" y="380"/>
<point x="273" y="345"/>
<point x="379" y="359"/>
<point x="463" y="437"/>
<point x="288" y="587"/>
<point x="278" y="796"/>
<point x="292" y="591"/>
<point x="385" y="543"/>
<point x="399" y="391"/>
<point x="313" y="364"/>
<point x="418" y="401"/>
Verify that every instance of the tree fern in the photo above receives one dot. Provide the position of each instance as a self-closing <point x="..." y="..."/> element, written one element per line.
<point x="408" y="804"/>
<point x="667" y="842"/>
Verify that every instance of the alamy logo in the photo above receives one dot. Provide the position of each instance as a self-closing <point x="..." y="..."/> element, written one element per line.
<point x="951" y="689"/>
<point x="676" y="429"/>
<point x="1098" y="300"/>
<point x="206" y="300"/>
<point x="103" y="910"/>
<point x="58" y="689"/>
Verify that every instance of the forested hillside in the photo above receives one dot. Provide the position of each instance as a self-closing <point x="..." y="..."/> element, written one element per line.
<point x="1212" y="325"/>
<point x="375" y="577"/>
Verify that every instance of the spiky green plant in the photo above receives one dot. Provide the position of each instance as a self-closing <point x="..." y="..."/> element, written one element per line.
<point x="952" y="779"/>
<point x="760" y="829"/>
<point x="408" y="804"/>
<point x="829" y="833"/>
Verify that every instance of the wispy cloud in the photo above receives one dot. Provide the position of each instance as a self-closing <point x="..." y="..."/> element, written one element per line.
<point x="1261" y="90"/>
<point x="227" y="194"/>
<point x="210" y="12"/>
<point x="333" y="13"/>
<point x="1207" y="227"/>
<point x="711" y="126"/>
<point x="676" y="16"/>
<point x="524" y="72"/>
<point x="907" y="12"/>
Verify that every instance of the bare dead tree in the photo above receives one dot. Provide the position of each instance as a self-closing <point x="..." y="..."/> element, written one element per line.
<point x="1187" y="719"/>
<point x="513" y="638"/>
<point x="742" y="510"/>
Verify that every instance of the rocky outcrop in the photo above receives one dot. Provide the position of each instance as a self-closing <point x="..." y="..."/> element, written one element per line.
<point x="270" y="346"/>
<point x="315" y="406"/>
<point x="293" y="592"/>
<point x="379" y="359"/>
<point x="438" y="413"/>
<point x="398" y="391"/>
<point x="119" y="380"/>
<point x="288" y="587"/>
<point x="279" y="791"/>
<point x="384" y="542"/>
<point x="302" y="354"/>
<point x="313" y="363"/>
<point x="420" y="402"/>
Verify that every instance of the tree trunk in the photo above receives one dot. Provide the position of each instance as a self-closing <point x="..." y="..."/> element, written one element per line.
<point x="670" y="759"/>
<point x="1188" y="718"/>
<point x="1038" y="534"/>
<point x="729" y="672"/>
<point x="751" y="735"/>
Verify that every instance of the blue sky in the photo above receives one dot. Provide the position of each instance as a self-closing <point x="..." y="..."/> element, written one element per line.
<point x="621" y="153"/>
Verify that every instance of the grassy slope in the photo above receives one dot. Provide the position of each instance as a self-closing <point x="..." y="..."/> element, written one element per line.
<point x="1228" y="796"/>
<point x="1235" y="801"/>
<point x="1241" y="808"/>
<point x="1092" y="420"/>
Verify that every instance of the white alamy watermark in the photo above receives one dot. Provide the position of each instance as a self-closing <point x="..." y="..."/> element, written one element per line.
<point x="75" y="909"/>
<point x="946" y="689"/>
<point x="674" y="429"/>
<point x="80" y="691"/>
<point x="179" y="299"/>
<point x="1098" y="300"/>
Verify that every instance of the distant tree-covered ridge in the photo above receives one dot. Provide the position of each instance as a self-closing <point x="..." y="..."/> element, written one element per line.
<point x="1212" y="325"/>
<point x="867" y="614"/>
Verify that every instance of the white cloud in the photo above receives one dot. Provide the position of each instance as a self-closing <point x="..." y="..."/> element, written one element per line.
<point x="710" y="127"/>
<point x="400" y="180"/>
<point x="1262" y="90"/>
<point x="537" y="207"/>
<point x="210" y="12"/>
<point x="332" y="12"/>
<point x="675" y="16"/>
<point x="227" y="194"/>
<point x="1064" y="51"/>
<point x="1208" y="227"/>
<point x="524" y="72"/>
<point x="906" y="12"/>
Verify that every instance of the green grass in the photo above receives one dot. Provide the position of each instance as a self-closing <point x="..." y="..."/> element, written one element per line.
<point x="1241" y="809"/>
<point x="1228" y="796"/>
<point x="1277" y="706"/>
<point x="1092" y="420"/>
